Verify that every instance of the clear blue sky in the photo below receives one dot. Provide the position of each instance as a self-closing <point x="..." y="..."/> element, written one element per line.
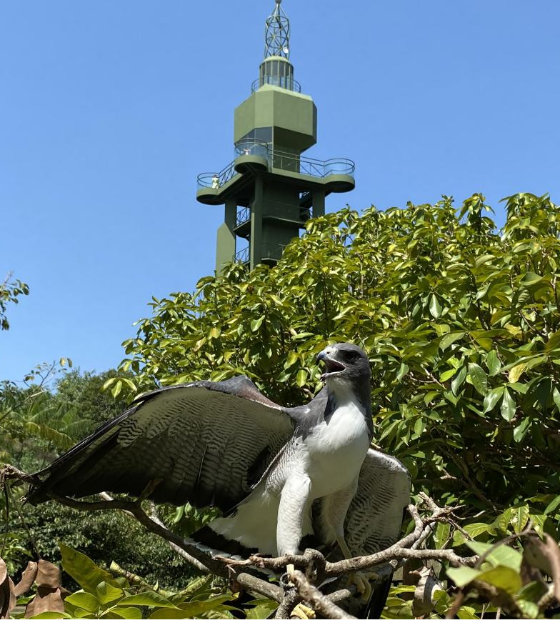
<point x="109" y="110"/>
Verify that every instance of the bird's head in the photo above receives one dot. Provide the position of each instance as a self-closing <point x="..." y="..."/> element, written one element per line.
<point x="344" y="363"/>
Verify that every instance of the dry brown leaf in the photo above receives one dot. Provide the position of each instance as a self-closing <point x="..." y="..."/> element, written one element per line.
<point x="27" y="579"/>
<point x="3" y="570"/>
<point x="46" y="599"/>
<point x="48" y="575"/>
<point x="426" y="587"/>
<point x="7" y="597"/>
<point x="545" y="555"/>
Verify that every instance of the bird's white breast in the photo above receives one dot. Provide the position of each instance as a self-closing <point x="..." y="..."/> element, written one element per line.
<point x="336" y="449"/>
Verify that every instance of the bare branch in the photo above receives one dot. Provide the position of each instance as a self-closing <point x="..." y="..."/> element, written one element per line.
<point x="290" y="600"/>
<point x="316" y="598"/>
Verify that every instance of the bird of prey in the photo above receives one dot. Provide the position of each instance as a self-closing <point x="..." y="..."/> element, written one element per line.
<point x="277" y="474"/>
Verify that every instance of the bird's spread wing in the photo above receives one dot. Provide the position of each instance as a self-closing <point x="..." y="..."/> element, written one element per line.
<point x="207" y="443"/>
<point x="375" y="516"/>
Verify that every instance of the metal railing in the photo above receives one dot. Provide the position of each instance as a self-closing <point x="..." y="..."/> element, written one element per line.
<point x="312" y="167"/>
<point x="282" y="82"/>
<point x="243" y="215"/>
<point x="215" y="180"/>
<point x="281" y="161"/>
<point x="293" y="213"/>
<point x="243" y="256"/>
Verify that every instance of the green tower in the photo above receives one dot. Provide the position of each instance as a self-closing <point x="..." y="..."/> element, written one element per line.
<point x="270" y="189"/>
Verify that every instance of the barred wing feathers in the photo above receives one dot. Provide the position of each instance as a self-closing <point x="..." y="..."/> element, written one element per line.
<point x="208" y="444"/>
<point x="374" y="519"/>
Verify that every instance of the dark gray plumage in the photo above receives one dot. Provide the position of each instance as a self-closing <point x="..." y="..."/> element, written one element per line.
<point x="278" y="474"/>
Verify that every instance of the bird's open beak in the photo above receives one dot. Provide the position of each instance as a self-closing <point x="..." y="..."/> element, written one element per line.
<point x="332" y="366"/>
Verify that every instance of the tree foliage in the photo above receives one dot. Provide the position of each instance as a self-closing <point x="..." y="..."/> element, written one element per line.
<point x="10" y="290"/>
<point x="461" y="322"/>
<point x="462" y="325"/>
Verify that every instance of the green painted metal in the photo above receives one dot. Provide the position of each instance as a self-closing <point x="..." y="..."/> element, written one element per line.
<point x="271" y="189"/>
<point x="292" y="117"/>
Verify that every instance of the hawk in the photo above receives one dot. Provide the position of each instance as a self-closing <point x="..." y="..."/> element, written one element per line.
<point x="277" y="474"/>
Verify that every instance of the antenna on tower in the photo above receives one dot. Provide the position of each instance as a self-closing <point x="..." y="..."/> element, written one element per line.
<point x="277" y="33"/>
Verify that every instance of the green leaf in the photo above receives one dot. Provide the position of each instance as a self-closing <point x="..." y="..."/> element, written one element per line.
<point x="556" y="397"/>
<point x="109" y="382"/>
<point x="463" y="575"/>
<point x="262" y="609"/>
<point x="194" y="609"/>
<point x="256" y="323"/>
<point x="554" y="504"/>
<point x="520" y="518"/>
<point x="149" y="598"/>
<point x="493" y="363"/>
<point x="503" y="577"/>
<point x="478" y="378"/>
<point x="508" y="406"/>
<point x="116" y="389"/>
<point x="516" y="372"/>
<point x="449" y="339"/>
<point x="435" y="307"/>
<point x="445" y="376"/>
<point x="301" y="378"/>
<point x="529" y="609"/>
<point x="129" y="613"/>
<point x="474" y="530"/>
<point x="528" y="597"/>
<point x="442" y="534"/>
<point x="85" y="600"/>
<point x="403" y="370"/>
<point x="520" y="431"/>
<point x="83" y="570"/>
<point x="498" y="555"/>
<point x="292" y="359"/>
<point x="215" y="332"/>
<point x="467" y="613"/>
<point x="106" y="593"/>
<point x="492" y="398"/>
<point x="459" y="380"/>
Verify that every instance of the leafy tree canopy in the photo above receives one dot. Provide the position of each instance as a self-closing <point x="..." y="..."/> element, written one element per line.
<point x="461" y="322"/>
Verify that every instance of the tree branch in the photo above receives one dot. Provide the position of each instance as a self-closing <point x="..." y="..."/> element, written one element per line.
<point x="312" y="595"/>
<point x="312" y="561"/>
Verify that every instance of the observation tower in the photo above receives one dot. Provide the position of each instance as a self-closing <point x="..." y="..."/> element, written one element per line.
<point x="271" y="189"/>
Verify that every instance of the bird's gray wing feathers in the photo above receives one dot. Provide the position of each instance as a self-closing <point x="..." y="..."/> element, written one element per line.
<point x="375" y="516"/>
<point x="374" y="521"/>
<point x="207" y="443"/>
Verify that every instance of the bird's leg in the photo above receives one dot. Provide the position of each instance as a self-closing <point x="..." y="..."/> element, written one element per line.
<point x="293" y="507"/>
<point x="359" y="579"/>
<point x="333" y="515"/>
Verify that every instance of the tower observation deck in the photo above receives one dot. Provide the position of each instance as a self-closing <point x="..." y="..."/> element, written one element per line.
<point x="270" y="189"/>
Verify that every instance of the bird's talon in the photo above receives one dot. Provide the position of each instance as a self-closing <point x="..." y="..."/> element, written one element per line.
<point x="303" y="612"/>
<point x="361" y="581"/>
